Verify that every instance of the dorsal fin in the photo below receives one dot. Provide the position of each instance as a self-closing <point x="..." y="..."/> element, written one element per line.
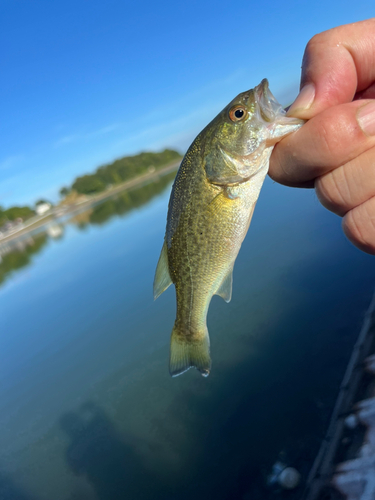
<point x="225" y="288"/>
<point x="162" y="278"/>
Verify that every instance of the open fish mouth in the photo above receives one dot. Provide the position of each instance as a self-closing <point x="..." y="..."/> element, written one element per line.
<point x="273" y="115"/>
<point x="268" y="107"/>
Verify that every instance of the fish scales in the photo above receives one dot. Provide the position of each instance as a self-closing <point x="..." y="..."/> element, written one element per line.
<point x="210" y="209"/>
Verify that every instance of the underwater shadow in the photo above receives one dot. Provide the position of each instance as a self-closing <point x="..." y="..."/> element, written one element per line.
<point x="10" y="491"/>
<point x="100" y="454"/>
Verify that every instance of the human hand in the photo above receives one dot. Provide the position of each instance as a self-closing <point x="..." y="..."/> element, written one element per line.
<point x="335" y="150"/>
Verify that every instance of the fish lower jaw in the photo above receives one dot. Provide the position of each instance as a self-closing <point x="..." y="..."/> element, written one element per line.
<point x="243" y="179"/>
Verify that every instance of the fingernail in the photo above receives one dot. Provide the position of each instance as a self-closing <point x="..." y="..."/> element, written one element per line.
<point x="304" y="99"/>
<point x="366" y="118"/>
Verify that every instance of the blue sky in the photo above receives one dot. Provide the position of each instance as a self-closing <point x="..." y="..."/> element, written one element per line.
<point x="84" y="82"/>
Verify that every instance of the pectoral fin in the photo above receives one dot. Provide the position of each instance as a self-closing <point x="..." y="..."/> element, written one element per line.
<point x="225" y="289"/>
<point x="216" y="203"/>
<point x="162" y="278"/>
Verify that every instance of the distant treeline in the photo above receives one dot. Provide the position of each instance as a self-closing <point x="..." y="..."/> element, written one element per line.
<point x="14" y="213"/>
<point x="121" y="170"/>
<point x="120" y="205"/>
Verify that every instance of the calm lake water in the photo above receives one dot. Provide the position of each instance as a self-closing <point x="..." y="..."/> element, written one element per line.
<point x="88" y="410"/>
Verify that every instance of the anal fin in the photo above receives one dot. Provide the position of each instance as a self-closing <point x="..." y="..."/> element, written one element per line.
<point x="162" y="278"/>
<point x="225" y="288"/>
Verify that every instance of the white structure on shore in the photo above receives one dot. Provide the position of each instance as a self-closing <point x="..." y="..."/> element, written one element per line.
<point x="42" y="208"/>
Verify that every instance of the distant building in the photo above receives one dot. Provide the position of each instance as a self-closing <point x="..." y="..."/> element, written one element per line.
<point x="42" y="208"/>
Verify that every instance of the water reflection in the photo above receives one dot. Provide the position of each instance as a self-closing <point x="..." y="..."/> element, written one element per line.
<point x="18" y="253"/>
<point x="54" y="230"/>
<point x="127" y="201"/>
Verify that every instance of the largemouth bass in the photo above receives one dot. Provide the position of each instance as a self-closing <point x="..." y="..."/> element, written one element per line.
<point x="210" y="209"/>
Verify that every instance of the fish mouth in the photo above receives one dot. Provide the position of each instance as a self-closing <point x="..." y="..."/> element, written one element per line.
<point x="269" y="108"/>
<point x="271" y="112"/>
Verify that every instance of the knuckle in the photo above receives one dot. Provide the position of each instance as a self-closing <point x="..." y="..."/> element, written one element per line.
<point x="332" y="191"/>
<point x="328" y="143"/>
<point x="338" y="137"/>
<point x="324" y="37"/>
<point x="359" y="228"/>
<point x="317" y="44"/>
<point x="327" y="139"/>
<point x="314" y="41"/>
<point x="281" y="166"/>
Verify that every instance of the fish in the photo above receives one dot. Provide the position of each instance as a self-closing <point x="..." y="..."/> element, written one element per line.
<point x="210" y="208"/>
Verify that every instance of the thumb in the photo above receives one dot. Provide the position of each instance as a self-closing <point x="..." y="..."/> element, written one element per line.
<point x="337" y="64"/>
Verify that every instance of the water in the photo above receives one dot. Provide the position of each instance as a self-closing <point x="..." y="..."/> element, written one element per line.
<point x="88" y="410"/>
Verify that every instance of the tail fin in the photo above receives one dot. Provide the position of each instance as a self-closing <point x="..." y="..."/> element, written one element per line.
<point x="189" y="351"/>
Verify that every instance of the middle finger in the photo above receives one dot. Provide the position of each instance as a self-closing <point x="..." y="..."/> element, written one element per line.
<point x="348" y="186"/>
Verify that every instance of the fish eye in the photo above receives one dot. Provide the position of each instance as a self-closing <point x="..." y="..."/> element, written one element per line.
<point x="237" y="113"/>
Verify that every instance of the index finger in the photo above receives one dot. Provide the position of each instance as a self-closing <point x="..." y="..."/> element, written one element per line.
<point x="337" y="64"/>
<point x="327" y="141"/>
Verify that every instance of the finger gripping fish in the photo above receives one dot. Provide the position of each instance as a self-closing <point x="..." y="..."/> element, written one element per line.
<point x="210" y="209"/>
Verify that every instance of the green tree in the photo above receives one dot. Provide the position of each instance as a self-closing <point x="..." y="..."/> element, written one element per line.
<point x="123" y="169"/>
<point x="64" y="191"/>
<point x="88" y="184"/>
<point x="14" y="213"/>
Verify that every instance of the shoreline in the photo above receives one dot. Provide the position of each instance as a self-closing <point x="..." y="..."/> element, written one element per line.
<point x="66" y="210"/>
